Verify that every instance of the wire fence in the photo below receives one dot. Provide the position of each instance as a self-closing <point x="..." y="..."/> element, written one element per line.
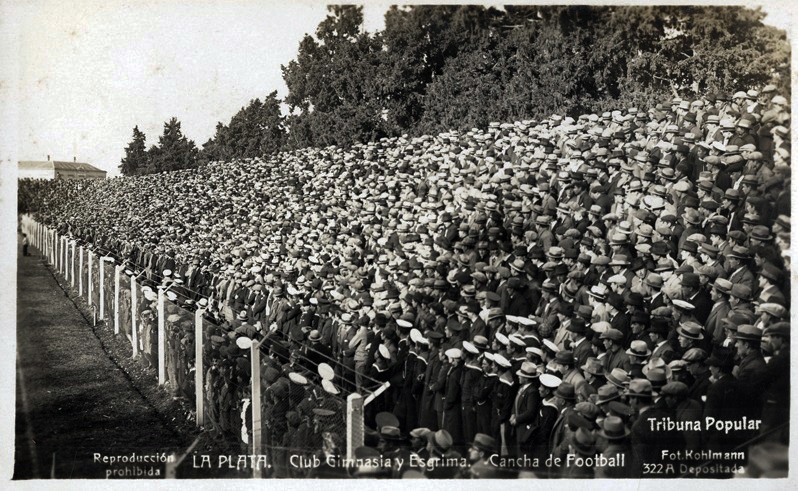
<point x="260" y="390"/>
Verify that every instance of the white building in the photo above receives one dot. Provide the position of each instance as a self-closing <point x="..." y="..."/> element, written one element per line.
<point x="56" y="169"/>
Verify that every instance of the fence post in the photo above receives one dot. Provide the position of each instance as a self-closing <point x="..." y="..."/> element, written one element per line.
<point x="255" y="404"/>
<point x="102" y="288"/>
<point x="72" y="263"/>
<point x="65" y="260"/>
<point x="91" y="289"/>
<point x="117" y="272"/>
<point x="354" y="424"/>
<point x="161" y="338"/>
<point x="133" y="314"/>
<point x="80" y="269"/>
<point x="199" y="369"/>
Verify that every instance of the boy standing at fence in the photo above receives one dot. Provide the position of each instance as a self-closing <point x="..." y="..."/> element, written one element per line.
<point x="25" y="244"/>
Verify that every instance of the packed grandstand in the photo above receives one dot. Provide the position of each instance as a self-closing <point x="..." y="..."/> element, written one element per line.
<point x="610" y="289"/>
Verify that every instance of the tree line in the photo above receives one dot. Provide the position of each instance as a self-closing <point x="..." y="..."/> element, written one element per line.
<point x="436" y="68"/>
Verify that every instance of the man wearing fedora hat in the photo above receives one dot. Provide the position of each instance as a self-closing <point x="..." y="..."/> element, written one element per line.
<point x="616" y="434"/>
<point x="482" y="449"/>
<point x="661" y="346"/>
<point x="719" y="294"/>
<point x="769" y="279"/>
<point x="579" y="343"/>
<point x="566" y="362"/>
<point x="565" y="394"/>
<point x="739" y="273"/>
<point x="442" y="456"/>
<point x="526" y="408"/>
<point x="582" y="444"/>
<point x="647" y="442"/>
<point x="593" y="372"/>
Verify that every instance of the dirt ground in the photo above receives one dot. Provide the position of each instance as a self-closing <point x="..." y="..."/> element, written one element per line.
<point x="81" y="402"/>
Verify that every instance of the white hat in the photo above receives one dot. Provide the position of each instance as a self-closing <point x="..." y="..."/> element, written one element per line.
<point x="244" y="342"/>
<point x="470" y="348"/>
<point x="297" y="378"/>
<point x="516" y="340"/>
<point x="550" y="345"/>
<point x="618" y="279"/>
<point x="403" y="323"/>
<point x="329" y="387"/>
<point x="385" y="353"/>
<point x="452" y="353"/>
<point x="550" y="381"/>
<point x="325" y="371"/>
<point x="535" y="350"/>
<point x="501" y="338"/>
<point x="501" y="361"/>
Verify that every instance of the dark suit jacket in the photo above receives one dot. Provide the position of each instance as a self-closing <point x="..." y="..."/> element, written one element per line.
<point x="723" y="403"/>
<point x="703" y="305"/>
<point x="712" y="326"/>
<point x="582" y="352"/>
<point x="526" y="408"/>
<point x="648" y="444"/>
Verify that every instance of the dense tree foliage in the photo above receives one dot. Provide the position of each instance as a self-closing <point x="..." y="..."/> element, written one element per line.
<point x="173" y="152"/>
<point x="256" y="130"/>
<point x="439" y="67"/>
<point x="135" y="158"/>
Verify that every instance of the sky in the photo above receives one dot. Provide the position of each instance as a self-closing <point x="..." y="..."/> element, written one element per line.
<point x="88" y="71"/>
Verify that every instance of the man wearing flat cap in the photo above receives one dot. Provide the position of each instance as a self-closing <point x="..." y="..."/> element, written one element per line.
<point x="674" y="395"/>
<point x="616" y="356"/>
<point x="750" y="365"/>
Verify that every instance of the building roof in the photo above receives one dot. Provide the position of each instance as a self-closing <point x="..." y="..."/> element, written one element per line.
<point x="58" y="165"/>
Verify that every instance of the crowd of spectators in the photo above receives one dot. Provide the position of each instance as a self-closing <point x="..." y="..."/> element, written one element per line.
<point x="537" y="291"/>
